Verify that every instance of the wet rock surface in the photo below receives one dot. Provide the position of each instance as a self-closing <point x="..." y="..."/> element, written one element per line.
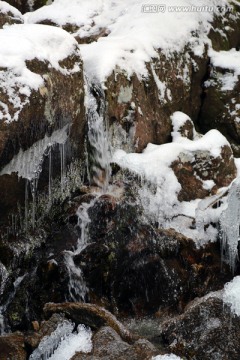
<point x="206" y="330"/>
<point x="26" y="5"/>
<point x="90" y="315"/>
<point x="139" y="269"/>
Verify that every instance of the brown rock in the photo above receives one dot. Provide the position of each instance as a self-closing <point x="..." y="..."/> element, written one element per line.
<point x="192" y="169"/>
<point x="12" y="347"/>
<point x="35" y="325"/>
<point x="206" y="330"/>
<point x="108" y="345"/>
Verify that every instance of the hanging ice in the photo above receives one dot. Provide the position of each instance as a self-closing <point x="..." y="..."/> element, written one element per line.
<point x="63" y="343"/>
<point x="230" y="225"/>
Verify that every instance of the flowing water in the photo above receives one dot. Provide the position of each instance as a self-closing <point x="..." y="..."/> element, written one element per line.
<point x="98" y="161"/>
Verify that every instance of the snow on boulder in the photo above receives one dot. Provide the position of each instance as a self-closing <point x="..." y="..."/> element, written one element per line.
<point x="41" y="91"/>
<point x="9" y="15"/>
<point x="175" y="176"/>
<point x="158" y="59"/>
<point x="221" y="106"/>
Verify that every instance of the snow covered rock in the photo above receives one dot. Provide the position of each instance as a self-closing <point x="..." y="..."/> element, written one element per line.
<point x="9" y="15"/>
<point x="221" y="105"/>
<point x="41" y="91"/>
<point x="149" y="64"/>
<point x="201" y="173"/>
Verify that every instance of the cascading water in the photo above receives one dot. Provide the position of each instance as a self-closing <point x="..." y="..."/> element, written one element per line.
<point x="98" y="143"/>
<point x="3" y="307"/>
<point x="98" y="162"/>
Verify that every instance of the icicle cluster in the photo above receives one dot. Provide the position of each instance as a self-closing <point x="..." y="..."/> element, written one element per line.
<point x="230" y="226"/>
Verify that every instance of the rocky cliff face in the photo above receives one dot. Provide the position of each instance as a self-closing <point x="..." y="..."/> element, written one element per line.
<point x="116" y="159"/>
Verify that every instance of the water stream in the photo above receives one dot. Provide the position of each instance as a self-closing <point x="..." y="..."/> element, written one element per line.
<point x="98" y="162"/>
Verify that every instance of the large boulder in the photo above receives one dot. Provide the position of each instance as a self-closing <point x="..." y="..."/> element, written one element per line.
<point x="132" y="267"/>
<point x="206" y="330"/>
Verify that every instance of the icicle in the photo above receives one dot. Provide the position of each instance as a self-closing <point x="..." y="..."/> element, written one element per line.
<point x="63" y="165"/>
<point x="26" y="205"/>
<point x="50" y="343"/>
<point x="229" y="223"/>
<point x="50" y="177"/>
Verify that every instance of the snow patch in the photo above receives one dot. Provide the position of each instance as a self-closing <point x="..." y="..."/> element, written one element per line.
<point x="5" y="8"/>
<point x="231" y="295"/>
<point x="166" y="357"/>
<point x="227" y="60"/>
